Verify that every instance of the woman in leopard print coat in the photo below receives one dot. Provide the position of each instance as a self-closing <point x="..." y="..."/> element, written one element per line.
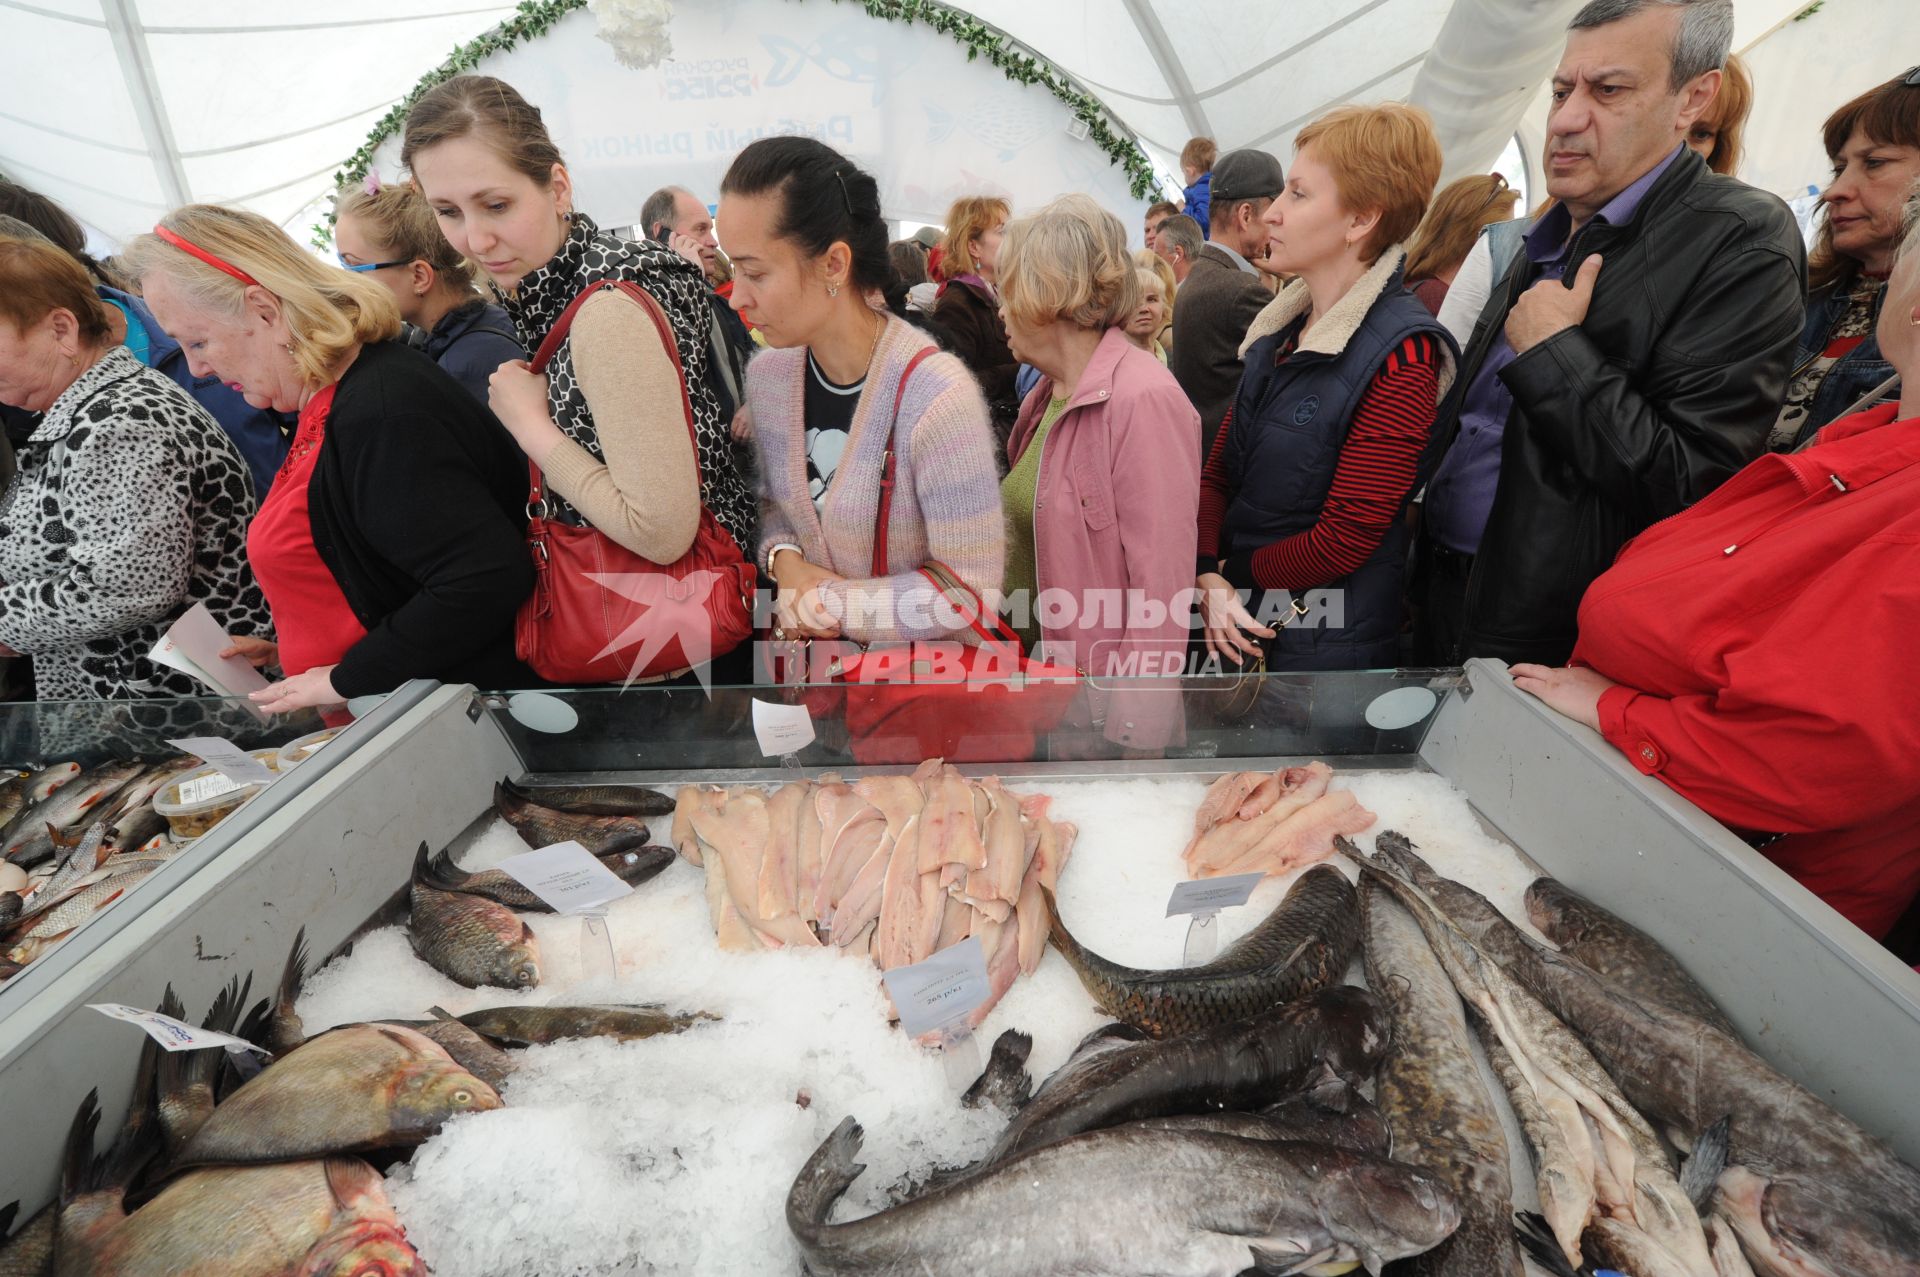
<point x="131" y="504"/>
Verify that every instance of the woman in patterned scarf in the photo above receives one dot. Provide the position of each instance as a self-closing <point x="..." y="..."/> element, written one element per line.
<point x="131" y="504"/>
<point x="604" y="425"/>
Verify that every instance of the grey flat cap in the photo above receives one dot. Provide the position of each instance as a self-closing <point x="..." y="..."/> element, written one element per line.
<point x="1247" y="175"/>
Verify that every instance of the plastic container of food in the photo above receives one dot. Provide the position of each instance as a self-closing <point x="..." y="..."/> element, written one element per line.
<point x="298" y="751"/>
<point x="195" y="801"/>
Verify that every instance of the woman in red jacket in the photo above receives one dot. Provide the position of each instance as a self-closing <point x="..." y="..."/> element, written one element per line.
<point x="1755" y="653"/>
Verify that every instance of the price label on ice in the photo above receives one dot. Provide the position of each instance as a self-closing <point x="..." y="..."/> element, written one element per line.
<point x="566" y="876"/>
<point x="170" y="1033"/>
<point x="227" y="758"/>
<point x="1210" y="895"/>
<point x="946" y="987"/>
<point x="781" y="729"/>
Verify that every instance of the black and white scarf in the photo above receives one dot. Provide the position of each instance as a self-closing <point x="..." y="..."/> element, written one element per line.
<point x="587" y="257"/>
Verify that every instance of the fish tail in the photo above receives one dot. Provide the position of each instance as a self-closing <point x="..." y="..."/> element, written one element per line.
<point x="1005" y="1081"/>
<point x="77" y="1164"/>
<point x="1705" y="1163"/>
<point x="422" y="871"/>
<point x="828" y="1173"/>
<point x="443" y="874"/>
<point x="1536" y="1238"/>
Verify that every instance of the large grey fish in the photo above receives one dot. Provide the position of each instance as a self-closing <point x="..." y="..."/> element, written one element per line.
<point x="594" y="800"/>
<point x="1810" y="1193"/>
<point x="1127" y="1200"/>
<point x="31" y="842"/>
<point x="632" y="867"/>
<point x="35" y="788"/>
<point x="1432" y="1094"/>
<point x="1242" y="1064"/>
<point x="537" y="1026"/>
<point x="353" y="1089"/>
<point x="540" y="826"/>
<point x="1619" y="951"/>
<point x="470" y="939"/>
<point x="13" y="794"/>
<point x="1303" y="946"/>
<point x="185" y="1091"/>
<point x="1330" y="1109"/>
<point x="469" y="1050"/>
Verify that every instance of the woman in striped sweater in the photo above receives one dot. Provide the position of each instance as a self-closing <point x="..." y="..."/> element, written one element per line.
<point x="809" y="248"/>
<point x="1301" y="536"/>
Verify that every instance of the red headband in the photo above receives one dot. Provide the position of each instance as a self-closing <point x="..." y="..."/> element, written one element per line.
<point x="226" y="268"/>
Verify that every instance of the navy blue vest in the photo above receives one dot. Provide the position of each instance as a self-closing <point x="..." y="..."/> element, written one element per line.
<point x="1290" y="422"/>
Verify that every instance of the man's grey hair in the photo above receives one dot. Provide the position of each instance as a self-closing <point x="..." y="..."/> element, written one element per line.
<point x="1705" y="39"/>
<point x="1182" y="232"/>
<point x="659" y="207"/>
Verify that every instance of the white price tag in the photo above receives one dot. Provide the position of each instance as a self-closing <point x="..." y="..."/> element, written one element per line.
<point x="781" y="729"/>
<point x="201" y="788"/>
<point x="172" y="1034"/>
<point x="1208" y="895"/>
<point x="566" y="876"/>
<point x="226" y="758"/>
<point x="945" y="988"/>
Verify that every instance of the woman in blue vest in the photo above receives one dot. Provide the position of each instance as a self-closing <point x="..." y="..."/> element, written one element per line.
<point x="1302" y="535"/>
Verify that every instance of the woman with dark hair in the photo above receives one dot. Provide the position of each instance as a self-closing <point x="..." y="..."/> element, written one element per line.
<point x="605" y="424"/>
<point x="260" y="434"/>
<point x="846" y="387"/>
<point x="1874" y="143"/>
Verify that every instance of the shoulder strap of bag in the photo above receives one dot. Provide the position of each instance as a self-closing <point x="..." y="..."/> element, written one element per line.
<point x="550" y="346"/>
<point x="886" y="471"/>
<point x="991" y="631"/>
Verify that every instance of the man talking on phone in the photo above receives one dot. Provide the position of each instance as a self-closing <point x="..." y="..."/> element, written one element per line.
<point x="674" y="216"/>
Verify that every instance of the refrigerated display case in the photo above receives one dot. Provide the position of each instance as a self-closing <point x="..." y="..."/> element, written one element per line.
<point x="332" y="852"/>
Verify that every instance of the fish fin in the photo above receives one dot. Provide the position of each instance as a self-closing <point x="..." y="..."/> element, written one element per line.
<point x="77" y="1165"/>
<point x="1536" y="1238"/>
<point x="293" y="975"/>
<point x="502" y="799"/>
<point x="442" y="873"/>
<point x="7" y="1214"/>
<point x="828" y="1173"/>
<point x="441" y="1013"/>
<point x="1705" y="1163"/>
<point x="348" y="1179"/>
<point x="1274" y="1263"/>
<point x="1005" y="1081"/>
<point x="421" y="870"/>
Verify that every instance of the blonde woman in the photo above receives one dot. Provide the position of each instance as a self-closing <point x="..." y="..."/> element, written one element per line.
<point x="969" y="307"/>
<point x="391" y="545"/>
<point x="1145" y="326"/>
<point x="1148" y="259"/>
<point x="389" y="235"/>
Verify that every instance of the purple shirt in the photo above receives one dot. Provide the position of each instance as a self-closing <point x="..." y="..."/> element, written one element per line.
<point x="1460" y="495"/>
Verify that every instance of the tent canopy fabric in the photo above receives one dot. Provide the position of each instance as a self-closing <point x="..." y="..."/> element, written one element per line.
<point x="120" y="109"/>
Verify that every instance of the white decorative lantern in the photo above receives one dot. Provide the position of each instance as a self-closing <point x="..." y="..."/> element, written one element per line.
<point x="637" y="30"/>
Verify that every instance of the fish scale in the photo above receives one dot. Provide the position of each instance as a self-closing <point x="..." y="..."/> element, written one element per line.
<point x="470" y="939"/>
<point x="1303" y="946"/>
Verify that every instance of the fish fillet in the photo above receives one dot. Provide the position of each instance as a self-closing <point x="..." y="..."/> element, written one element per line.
<point x="859" y="904"/>
<point x="780" y="862"/>
<point x="1305" y="837"/>
<point x="899" y="902"/>
<point x="811" y="841"/>
<point x="1234" y="840"/>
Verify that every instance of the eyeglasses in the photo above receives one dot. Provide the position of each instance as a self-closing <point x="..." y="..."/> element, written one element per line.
<point x="364" y="267"/>
<point x="1912" y="80"/>
<point x="1499" y="192"/>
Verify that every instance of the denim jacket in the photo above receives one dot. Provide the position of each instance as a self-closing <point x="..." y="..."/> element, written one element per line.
<point x="1855" y="374"/>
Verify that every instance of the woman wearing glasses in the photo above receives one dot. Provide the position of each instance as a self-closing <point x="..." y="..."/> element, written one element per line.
<point x="392" y="546"/>
<point x="1459" y="213"/>
<point x="389" y="234"/>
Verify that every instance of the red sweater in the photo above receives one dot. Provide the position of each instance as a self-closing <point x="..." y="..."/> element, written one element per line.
<point x="1370" y="484"/>
<point x="1764" y="643"/>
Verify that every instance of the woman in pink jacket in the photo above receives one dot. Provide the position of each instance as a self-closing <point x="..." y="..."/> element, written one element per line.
<point x="1103" y="494"/>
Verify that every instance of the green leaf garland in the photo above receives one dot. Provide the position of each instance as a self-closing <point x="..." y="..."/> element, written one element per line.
<point x="534" y="18"/>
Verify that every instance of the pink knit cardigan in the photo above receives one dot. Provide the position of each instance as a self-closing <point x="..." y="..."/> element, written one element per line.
<point x="946" y="496"/>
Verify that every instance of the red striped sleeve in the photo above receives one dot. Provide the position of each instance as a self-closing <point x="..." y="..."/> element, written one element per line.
<point x="1216" y="494"/>
<point x="1371" y="481"/>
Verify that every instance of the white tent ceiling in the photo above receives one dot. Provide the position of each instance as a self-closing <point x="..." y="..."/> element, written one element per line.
<point x="121" y="108"/>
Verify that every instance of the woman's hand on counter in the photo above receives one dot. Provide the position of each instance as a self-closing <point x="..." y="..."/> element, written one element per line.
<point x="257" y="652"/>
<point x="302" y="691"/>
<point x="1573" y="690"/>
<point x="1227" y="620"/>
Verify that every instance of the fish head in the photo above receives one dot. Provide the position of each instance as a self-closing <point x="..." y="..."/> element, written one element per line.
<point x="430" y="1091"/>
<point x="518" y="966"/>
<point x="1357" y="1029"/>
<point x="1794" y="1226"/>
<point x="363" y="1247"/>
<point x="1403" y="1210"/>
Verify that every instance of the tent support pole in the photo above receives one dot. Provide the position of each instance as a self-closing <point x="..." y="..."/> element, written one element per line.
<point x="136" y="69"/>
<point x="1148" y="24"/>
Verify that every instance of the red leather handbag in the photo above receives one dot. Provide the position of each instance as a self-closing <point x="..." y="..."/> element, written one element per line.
<point x="599" y="613"/>
<point x="908" y="702"/>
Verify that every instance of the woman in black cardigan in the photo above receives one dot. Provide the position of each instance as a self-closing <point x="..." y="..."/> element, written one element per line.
<point x="392" y="543"/>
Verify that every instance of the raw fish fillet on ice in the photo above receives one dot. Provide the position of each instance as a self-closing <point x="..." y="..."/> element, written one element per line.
<point x="1303" y="838"/>
<point x="780" y="863"/>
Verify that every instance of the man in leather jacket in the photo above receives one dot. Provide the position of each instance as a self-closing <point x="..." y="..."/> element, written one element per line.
<point x="1632" y="359"/>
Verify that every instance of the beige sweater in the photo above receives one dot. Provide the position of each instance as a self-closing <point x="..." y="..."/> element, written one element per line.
<point x="646" y="495"/>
